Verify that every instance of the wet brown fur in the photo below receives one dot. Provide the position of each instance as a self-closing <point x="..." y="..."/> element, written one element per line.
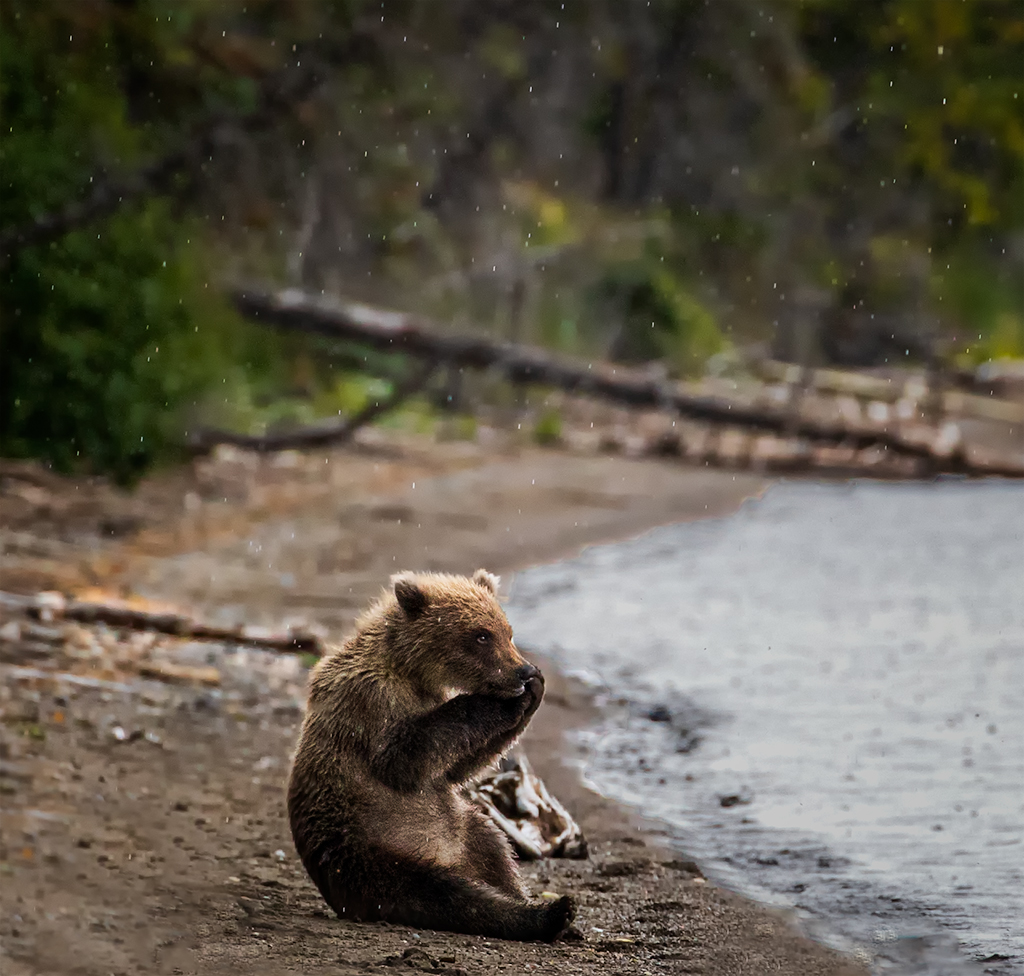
<point x="428" y="690"/>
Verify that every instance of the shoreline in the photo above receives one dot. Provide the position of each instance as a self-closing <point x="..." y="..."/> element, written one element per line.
<point x="642" y="906"/>
<point x="875" y="857"/>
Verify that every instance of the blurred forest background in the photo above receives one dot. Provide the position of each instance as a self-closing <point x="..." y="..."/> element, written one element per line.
<point x="676" y="180"/>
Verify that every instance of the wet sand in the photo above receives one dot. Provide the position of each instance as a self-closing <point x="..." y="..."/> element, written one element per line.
<point x="129" y="855"/>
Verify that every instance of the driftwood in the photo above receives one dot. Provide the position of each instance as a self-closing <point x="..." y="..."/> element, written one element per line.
<point x="866" y="387"/>
<point x="520" y="804"/>
<point x="16" y="673"/>
<point x="317" y="435"/>
<point x="49" y="607"/>
<point x="416" y="336"/>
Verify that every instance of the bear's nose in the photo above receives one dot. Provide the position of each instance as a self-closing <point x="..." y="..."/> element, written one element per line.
<point x="526" y="672"/>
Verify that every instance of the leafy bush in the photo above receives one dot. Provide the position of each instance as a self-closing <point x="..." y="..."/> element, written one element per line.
<point x="110" y="333"/>
<point x="657" y="317"/>
<point x="548" y="429"/>
<point x="108" y="338"/>
<point x="986" y="308"/>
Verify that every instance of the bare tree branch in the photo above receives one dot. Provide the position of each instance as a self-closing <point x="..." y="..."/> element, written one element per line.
<point x="318" y="435"/>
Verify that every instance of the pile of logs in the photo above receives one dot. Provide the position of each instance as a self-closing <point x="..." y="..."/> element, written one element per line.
<point x="930" y="448"/>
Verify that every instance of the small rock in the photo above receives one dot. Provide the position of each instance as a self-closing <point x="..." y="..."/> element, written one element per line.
<point x="735" y="799"/>
<point x="15" y="771"/>
<point x="622" y="869"/>
<point x="688" y="741"/>
<point x="684" y="866"/>
<point x="249" y="906"/>
<point x="413" y="958"/>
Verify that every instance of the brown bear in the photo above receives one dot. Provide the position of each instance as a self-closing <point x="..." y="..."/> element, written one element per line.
<point x="427" y="691"/>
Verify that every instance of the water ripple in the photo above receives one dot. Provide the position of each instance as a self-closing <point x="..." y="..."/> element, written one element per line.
<point x="826" y="701"/>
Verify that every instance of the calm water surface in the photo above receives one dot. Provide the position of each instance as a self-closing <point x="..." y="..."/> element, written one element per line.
<point x="823" y="697"/>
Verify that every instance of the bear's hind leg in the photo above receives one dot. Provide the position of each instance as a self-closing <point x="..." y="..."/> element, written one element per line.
<point x="489" y="857"/>
<point x="408" y="893"/>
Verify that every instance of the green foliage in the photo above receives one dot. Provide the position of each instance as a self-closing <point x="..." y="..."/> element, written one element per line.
<point x="416" y="415"/>
<point x="487" y="168"/>
<point x="955" y="86"/>
<point x="661" y="318"/>
<point x="990" y="306"/>
<point x="457" y="427"/>
<point x="934" y="96"/>
<point x="352" y="392"/>
<point x="107" y="341"/>
<point x="286" y="393"/>
<point x="112" y="332"/>
<point x="548" y="428"/>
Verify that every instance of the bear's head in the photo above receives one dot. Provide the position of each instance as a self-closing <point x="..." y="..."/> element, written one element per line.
<point x="450" y="635"/>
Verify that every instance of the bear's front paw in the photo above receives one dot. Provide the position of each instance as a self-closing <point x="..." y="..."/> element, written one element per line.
<point x="532" y="695"/>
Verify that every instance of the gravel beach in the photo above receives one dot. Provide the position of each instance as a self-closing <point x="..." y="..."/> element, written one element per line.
<point x="144" y="828"/>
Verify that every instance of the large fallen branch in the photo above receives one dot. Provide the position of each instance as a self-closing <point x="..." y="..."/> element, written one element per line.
<point x="414" y="335"/>
<point x="317" y="435"/>
<point x="50" y="607"/>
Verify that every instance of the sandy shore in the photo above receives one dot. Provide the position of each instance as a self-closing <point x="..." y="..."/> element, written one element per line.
<point x="174" y="856"/>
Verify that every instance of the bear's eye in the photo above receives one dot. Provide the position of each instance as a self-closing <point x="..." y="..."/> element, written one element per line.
<point x="483" y="637"/>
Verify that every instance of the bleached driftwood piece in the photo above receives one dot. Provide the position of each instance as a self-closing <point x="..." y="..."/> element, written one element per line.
<point x="49" y="607"/>
<point x="516" y="799"/>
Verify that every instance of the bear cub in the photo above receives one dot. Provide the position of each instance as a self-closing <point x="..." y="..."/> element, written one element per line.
<point x="428" y="690"/>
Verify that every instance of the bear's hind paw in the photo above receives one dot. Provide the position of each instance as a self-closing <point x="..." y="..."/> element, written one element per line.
<point x="558" y="917"/>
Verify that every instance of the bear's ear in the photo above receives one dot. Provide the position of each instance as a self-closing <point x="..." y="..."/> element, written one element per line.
<point x="408" y="593"/>
<point x="487" y="580"/>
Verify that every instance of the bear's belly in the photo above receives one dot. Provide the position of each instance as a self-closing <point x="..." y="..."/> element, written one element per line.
<point x="429" y="828"/>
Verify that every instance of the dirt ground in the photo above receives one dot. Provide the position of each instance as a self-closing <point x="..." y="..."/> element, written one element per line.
<point x="144" y="827"/>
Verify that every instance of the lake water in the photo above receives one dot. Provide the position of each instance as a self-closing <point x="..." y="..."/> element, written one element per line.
<point x="822" y="696"/>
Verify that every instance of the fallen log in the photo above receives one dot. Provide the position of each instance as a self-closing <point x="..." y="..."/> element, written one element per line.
<point x="49" y="607"/>
<point x="414" y="335"/>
